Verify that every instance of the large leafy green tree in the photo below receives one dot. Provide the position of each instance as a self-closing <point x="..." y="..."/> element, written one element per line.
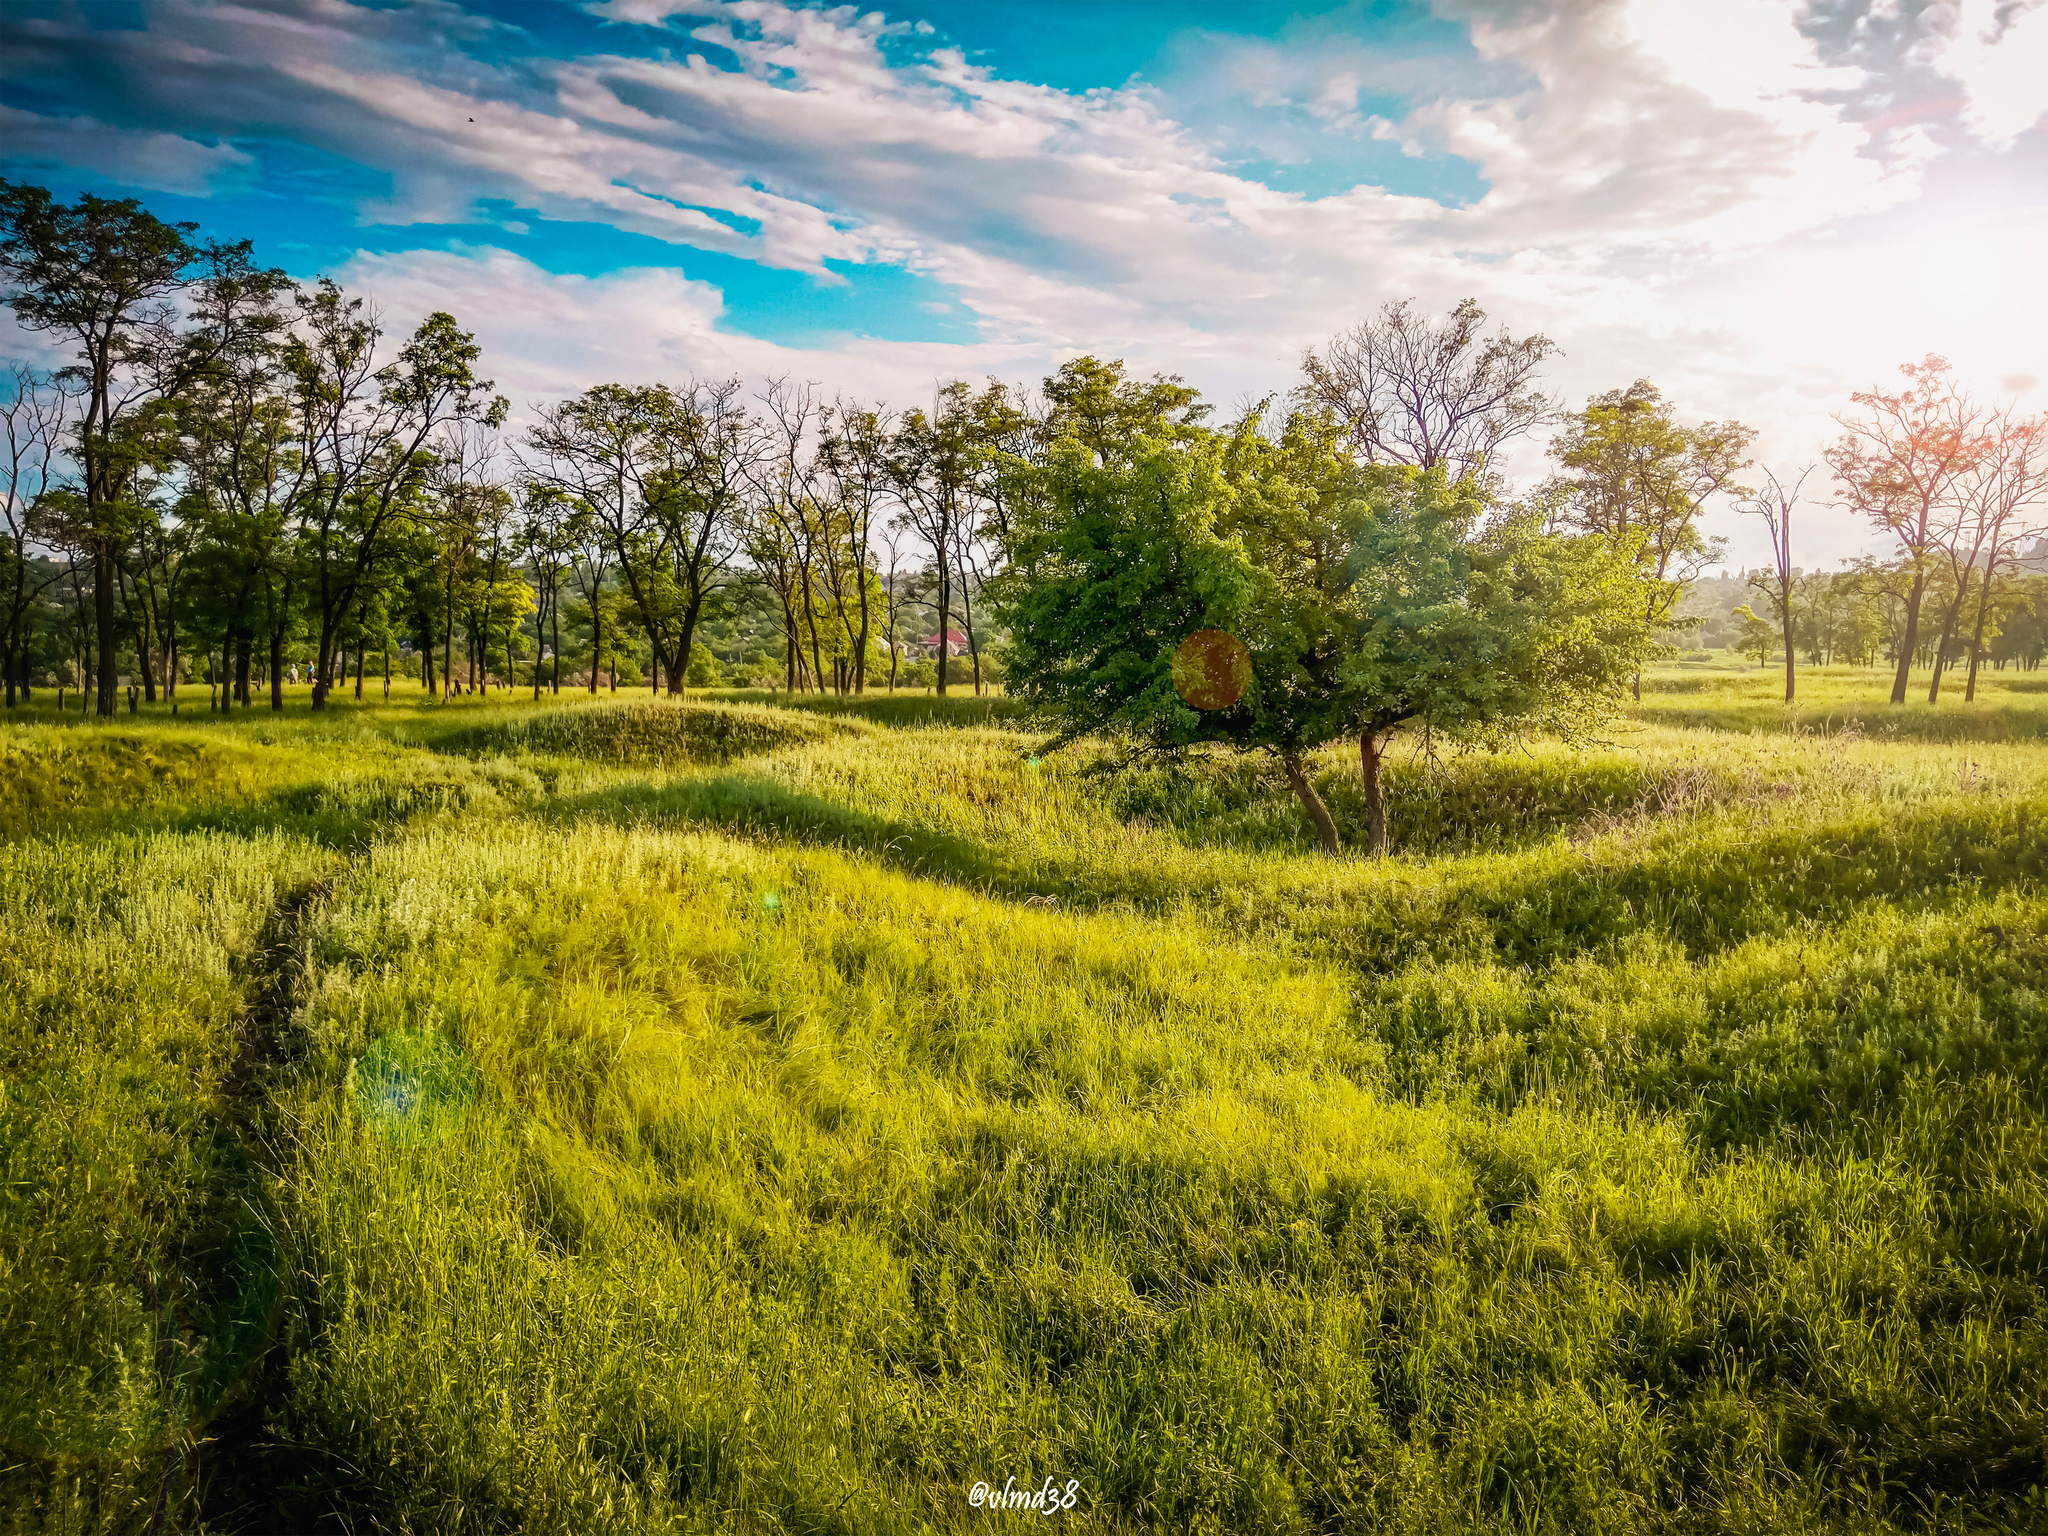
<point x="1369" y="597"/>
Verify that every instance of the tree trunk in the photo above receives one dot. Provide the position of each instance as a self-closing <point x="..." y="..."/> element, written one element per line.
<point x="1312" y="803"/>
<point x="679" y="680"/>
<point x="1371" y="748"/>
<point x="277" y="668"/>
<point x="1785" y="612"/>
<point x="860" y="652"/>
<point x="1948" y="625"/>
<point x="103" y="616"/>
<point x="967" y="618"/>
<point x="945" y="609"/>
<point x="811" y="624"/>
<point x="540" y="640"/>
<point x="1910" y="640"/>
<point x="1977" y="635"/>
<point x="142" y="648"/>
<point x="16" y="651"/>
<point x="448" y="640"/>
<point x="243" y="646"/>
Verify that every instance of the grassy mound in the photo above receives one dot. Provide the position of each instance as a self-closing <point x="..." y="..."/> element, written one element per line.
<point x="56" y="774"/>
<point x="646" y="733"/>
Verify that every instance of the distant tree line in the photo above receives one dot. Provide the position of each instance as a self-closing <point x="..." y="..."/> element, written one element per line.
<point x="238" y="473"/>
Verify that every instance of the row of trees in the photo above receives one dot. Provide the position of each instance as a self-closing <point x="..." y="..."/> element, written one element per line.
<point x="1856" y="616"/>
<point x="238" y="460"/>
<point x="237" y="450"/>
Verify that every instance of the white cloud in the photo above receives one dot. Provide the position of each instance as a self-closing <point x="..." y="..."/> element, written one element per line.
<point x="1654" y="122"/>
<point x="163" y="161"/>
<point x="1997" y="50"/>
<point x="1676" y="188"/>
<point x="547" y="335"/>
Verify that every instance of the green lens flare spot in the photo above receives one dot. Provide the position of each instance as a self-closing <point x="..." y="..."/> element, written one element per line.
<point x="771" y="901"/>
<point x="413" y="1088"/>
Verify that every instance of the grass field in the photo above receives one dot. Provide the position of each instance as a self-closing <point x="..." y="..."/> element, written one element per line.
<point x="487" y="1116"/>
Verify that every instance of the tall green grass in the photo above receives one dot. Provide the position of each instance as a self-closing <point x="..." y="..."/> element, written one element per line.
<point x="789" y="1138"/>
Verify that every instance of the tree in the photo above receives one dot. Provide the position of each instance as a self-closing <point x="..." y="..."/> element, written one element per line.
<point x="33" y="417"/>
<point x="663" y="471"/>
<point x="370" y="432"/>
<point x="1902" y="465"/>
<point x="855" y="454"/>
<point x="548" y="539"/>
<point x="246" y="482"/>
<point x="108" y="275"/>
<point x="1774" y="505"/>
<point x="2010" y="485"/>
<point x="933" y="465"/>
<point x="1369" y="598"/>
<point x="1429" y="393"/>
<point x="799" y="530"/>
<point x="1758" y="637"/>
<point x="1632" y="475"/>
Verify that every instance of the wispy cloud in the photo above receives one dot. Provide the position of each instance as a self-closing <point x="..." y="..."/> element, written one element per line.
<point x="165" y="162"/>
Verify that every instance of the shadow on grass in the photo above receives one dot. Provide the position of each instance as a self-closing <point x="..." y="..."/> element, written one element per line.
<point x="1874" y="722"/>
<point x="898" y="711"/>
<point x="759" y="805"/>
<point x="1706" y="893"/>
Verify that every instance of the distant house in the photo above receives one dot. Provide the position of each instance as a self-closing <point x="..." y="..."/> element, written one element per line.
<point x="955" y="643"/>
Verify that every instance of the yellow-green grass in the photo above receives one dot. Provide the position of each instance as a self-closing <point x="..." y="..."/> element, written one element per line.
<point x="789" y="1141"/>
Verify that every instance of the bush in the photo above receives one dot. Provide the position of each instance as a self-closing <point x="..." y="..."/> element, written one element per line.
<point x="704" y="670"/>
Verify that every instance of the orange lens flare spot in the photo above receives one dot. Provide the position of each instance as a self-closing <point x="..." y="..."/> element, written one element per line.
<point x="1212" y="669"/>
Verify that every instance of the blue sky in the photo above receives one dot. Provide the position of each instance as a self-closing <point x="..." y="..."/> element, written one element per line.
<point x="1761" y="204"/>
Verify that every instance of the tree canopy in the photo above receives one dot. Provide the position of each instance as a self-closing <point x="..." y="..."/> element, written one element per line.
<point x="1369" y="597"/>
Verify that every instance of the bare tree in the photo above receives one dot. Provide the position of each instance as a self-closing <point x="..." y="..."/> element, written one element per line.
<point x="1774" y="504"/>
<point x="34" y="416"/>
<point x="1903" y="465"/>
<point x="1412" y="390"/>
<point x="2011" y="486"/>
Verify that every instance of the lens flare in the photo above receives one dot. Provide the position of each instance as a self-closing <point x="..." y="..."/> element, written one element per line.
<point x="412" y="1088"/>
<point x="1212" y="669"/>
